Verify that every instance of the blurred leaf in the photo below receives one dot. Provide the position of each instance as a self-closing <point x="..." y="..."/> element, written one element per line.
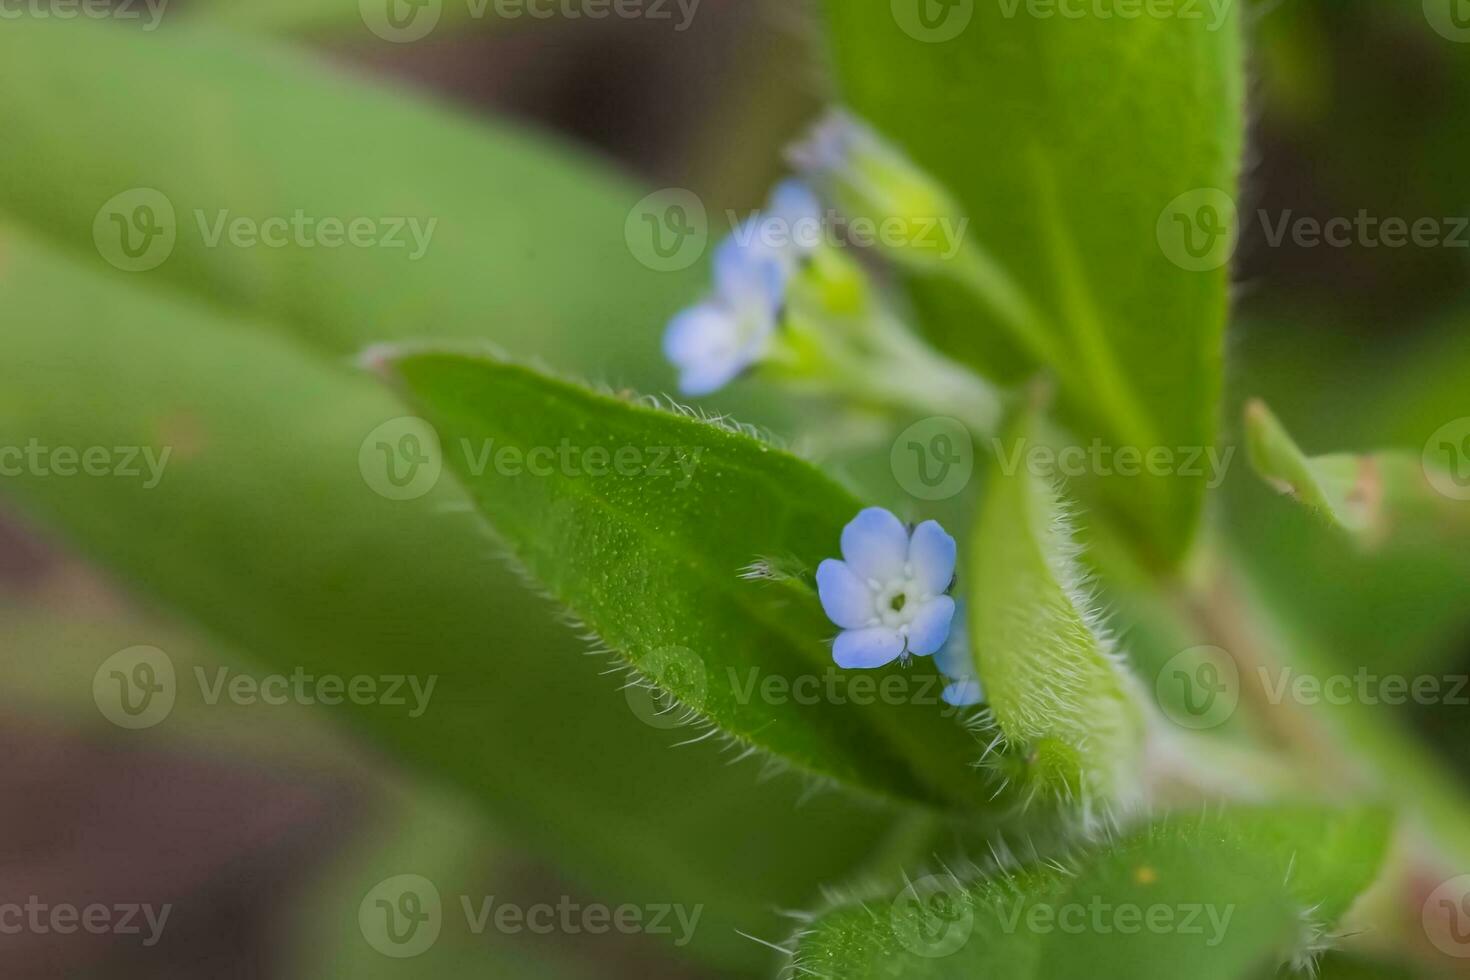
<point x="649" y="552"/>
<point x="266" y="529"/>
<point x="1371" y="496"/>
<point x="1059" y="693"/>
<point x="437" y="840"/>
<point x="1401" y="607"/>
<point x="1238" y="890"/>
<point x="527" y="244"/>
<point x="1021" y="117"/>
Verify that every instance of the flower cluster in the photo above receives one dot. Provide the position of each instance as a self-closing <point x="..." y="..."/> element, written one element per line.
<point x="714" y="342"/>
<point x="890" y="596"/>
<point x="833" y="338"/>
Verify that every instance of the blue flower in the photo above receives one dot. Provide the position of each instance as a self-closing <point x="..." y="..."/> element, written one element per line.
<point x="714" y="342"/>
<point x="954" y="662"/>
<point x="888" y="592"/>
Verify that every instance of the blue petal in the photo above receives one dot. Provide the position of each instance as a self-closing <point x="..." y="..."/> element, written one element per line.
<point x="932" y="558"/>
<point x="876" y="545"/>
<point x="962" y="694"/>
<point x="749" y="272"/>
<point x="704" y="343"/>
<point x="794" y="205"/>
<point x="692" y="332"/>
<point x="792" y="201"/>
<point x="846" y="599"/>
<point x="930" y="628"/>
<point x="863" y="649"/>
<point x="953" y="659"/>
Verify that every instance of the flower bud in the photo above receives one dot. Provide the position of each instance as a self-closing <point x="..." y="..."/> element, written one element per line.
<point x="887" y="200"/>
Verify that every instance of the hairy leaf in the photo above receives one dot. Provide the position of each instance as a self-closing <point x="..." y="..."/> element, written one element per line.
<point x="1225" y="894"/>
<point x="647" y="544"/>
<point x="1060" y="695"/>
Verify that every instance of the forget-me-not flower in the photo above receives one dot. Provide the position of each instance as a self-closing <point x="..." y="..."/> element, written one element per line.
<point x="954" y="662"/>
<point x="888" y="594"/>
<point x="714" y="342"/>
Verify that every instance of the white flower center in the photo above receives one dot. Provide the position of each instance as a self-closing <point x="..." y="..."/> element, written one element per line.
<point x="896" y="603"/>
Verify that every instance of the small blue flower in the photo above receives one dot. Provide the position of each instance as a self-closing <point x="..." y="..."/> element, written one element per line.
<point x="714" y="342"/>
<point x="888" y="592"/>
<point x="954" y="662"/>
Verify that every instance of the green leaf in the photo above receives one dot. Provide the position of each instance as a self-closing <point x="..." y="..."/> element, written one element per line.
<point x="650" y="556"/>
<point x="1082" y="218"/>
<point x="224" y="125"/>
<point x="1228" y="893"/>
<point x="1059" y="694"/>
<point x="1371" y="496"/>
<point x="1402" y="607"/>
<point x="265" y="531"/>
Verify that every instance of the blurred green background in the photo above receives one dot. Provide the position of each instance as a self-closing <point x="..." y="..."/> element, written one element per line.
<point x="263" y="549"/>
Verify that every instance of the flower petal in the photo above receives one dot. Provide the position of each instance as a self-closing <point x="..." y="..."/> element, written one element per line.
<point x="932" y="558"/>
<point x="749" y="271"/>
<point x="711" y="344"/>
<point x="792" y="200"/>
<point x="876" y="545"/>
<point x="694" y="332"/>
<point x="798" y="211"/>
<point x="863" y="649"/>
<point x="962" y="694"/>
<point x="953" y="659"/>
<point x="930" y="627"/>
<point x="846" y="599"/>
